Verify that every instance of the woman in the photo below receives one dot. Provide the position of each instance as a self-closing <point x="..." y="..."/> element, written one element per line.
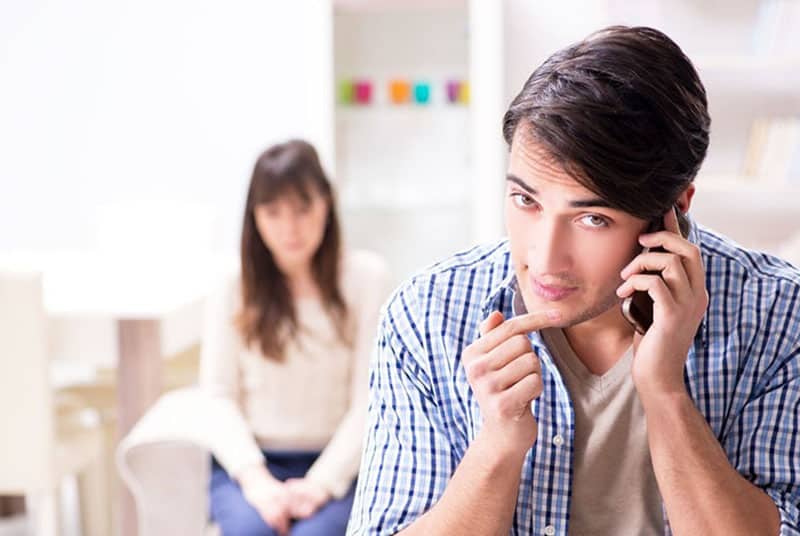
<point x="288" y="342"/>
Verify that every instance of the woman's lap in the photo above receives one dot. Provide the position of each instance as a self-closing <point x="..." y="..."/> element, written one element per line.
<point x="236" y="517"/>
<point x="329" y="520"/>
<point x="230" y="511"/>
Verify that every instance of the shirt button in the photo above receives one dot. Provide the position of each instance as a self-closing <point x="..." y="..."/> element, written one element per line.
<point x="557" y="441"/>
<point x="550" y="530"/>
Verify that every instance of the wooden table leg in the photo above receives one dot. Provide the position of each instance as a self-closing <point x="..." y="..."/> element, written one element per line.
<point x="12" y="505"/>
<point x="139" y="385"/>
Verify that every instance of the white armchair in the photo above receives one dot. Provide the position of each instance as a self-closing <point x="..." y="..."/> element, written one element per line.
<point x="165" y="462"/>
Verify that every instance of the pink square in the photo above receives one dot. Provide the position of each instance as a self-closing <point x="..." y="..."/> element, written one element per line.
<point x="363" y="91"/>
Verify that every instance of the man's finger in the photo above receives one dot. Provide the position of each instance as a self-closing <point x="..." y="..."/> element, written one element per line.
<point x="517" y="369"/>
<point x="668" y="266"/>
<point x="689" y="253"/>
<point x="491" y="322"/>
<point x="518" y="325"/>
<point x="671" y="221"/>
<point x="524" y="391"/>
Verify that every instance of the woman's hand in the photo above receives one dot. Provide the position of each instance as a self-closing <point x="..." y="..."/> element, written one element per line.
<point x="306" y="497"/>
<point x="269" y="496"/>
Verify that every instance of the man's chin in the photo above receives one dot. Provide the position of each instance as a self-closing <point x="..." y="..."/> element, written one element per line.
<point x="573" y="314"/>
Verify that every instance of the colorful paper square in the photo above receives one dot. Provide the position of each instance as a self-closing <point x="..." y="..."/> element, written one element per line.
<point x="463" y="93"/>
<point x="399" y="91"/>
<point x="451" y="89"/>
<point x="346" y="92"/>
<point x="363" y="92"/>
<point x="422" y="92"/>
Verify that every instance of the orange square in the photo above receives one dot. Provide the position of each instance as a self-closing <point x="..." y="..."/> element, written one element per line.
<point x="399" y="91"/>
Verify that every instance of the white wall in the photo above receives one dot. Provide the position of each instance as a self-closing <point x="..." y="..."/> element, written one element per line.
<point x="534" y="31"/>
<point x="145" y="104"/>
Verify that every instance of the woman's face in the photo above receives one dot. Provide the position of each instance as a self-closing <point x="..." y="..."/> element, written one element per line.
<point x="292" y="229"/>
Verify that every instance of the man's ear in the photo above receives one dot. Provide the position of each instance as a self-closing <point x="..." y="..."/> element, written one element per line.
<point x="684" y="201"/>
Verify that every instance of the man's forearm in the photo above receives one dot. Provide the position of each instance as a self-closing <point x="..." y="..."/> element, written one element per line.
<point x="702" y="492"/>
<point x="479" y="499"/>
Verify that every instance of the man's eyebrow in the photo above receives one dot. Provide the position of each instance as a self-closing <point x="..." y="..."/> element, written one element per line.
<point x="576" y="203"/>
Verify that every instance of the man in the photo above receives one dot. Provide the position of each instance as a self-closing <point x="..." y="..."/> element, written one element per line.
<point x="510" y="394"/>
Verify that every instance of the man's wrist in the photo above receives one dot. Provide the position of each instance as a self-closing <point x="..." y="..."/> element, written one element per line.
<point x="665" y="400"/>
<point x="500" y="452"/>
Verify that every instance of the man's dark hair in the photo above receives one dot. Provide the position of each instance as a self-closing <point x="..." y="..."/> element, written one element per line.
<point x="623" y="112"/>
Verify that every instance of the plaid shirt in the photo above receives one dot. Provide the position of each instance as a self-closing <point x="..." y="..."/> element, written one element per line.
<point x="743" y="373"/>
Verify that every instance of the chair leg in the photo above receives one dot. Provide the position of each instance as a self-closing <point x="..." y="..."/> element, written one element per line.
<point x="94" y="500"/>
<point x="44" y="511"/>
<point x="112" y="480"/>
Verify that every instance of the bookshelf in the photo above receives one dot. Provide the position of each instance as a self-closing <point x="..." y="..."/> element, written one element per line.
<point x="419" y="182"/>
<point x="406" y="173"/>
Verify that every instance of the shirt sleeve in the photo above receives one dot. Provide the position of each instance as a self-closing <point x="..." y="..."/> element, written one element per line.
<point x="219" y="380"/>
<point x="338" y="463"/>
<point x="407" y="459"/>
<point x="764" y="443"/>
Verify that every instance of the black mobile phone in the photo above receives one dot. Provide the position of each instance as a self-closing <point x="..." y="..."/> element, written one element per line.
<point x="638" y="307"/>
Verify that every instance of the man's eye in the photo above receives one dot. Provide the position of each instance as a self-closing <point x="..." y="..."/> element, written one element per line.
<point x="593" y="220"/>
<point x="522" y="200"/>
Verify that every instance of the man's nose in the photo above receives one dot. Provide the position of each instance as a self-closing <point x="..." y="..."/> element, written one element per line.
<point x="549" y="252"/>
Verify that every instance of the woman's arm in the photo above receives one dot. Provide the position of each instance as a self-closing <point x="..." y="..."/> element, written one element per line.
<point x="236" y="450"/>
<point x="338" y="464"/>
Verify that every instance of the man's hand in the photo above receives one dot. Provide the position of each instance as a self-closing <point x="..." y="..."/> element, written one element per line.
<point x="269" y="496"/>
<point x="680" y="300"/>
<point x="505" y="375"/>
<point x="306" y="497"/>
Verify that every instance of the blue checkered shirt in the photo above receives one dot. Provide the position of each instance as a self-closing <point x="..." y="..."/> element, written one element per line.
<point x="743" y="373"/>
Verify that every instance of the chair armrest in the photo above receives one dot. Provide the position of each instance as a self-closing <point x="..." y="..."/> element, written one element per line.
<point x="164" y="461"/>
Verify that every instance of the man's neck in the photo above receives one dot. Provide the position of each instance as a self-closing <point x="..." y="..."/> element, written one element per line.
<point x="600" y="342"/>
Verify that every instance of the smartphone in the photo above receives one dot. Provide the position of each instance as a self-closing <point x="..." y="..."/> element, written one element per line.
<point x="638" y="307"/>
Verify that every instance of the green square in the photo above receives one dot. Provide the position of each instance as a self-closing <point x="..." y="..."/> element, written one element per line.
<point x="346" y="91"/>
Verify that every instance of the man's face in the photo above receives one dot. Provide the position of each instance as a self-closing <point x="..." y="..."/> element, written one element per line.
<point x="567" y="246"/>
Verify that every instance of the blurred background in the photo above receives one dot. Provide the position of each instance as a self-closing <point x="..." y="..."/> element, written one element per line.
<point x="129" y="130"/>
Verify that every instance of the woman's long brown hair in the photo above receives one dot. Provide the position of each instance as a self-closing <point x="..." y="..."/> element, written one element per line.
<point x="268" y="317"/>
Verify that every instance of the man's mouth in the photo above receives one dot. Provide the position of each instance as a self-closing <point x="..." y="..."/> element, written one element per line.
<point x="551" y="292"/>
